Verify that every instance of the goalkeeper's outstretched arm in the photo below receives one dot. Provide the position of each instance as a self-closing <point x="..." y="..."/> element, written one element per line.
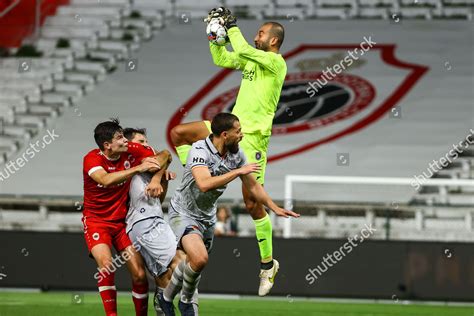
<point x="223" y="58"/>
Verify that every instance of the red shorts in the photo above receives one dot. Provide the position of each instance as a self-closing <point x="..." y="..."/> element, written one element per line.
<point x="97" y="231"/>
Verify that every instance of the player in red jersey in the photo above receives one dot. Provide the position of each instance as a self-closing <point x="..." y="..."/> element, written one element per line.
<point x="107" y="172"/>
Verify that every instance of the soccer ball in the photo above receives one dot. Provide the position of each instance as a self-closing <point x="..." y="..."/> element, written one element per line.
<point x="216" y="33"/>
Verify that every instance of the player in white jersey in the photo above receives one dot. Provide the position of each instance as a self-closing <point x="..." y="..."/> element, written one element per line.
<point x="146" y="227"/>
<point x="212" y="164"/>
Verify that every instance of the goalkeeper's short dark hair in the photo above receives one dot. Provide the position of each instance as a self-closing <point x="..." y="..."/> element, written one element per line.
<point x="223" y="122"/>
<point x="277" y="31"/>
<point x="130" y="132"/>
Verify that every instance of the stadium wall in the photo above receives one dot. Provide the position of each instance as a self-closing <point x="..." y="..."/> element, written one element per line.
<point x="373" y="269"/>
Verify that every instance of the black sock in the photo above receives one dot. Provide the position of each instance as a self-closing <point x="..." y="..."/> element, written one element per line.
<point x="266" y="266"/>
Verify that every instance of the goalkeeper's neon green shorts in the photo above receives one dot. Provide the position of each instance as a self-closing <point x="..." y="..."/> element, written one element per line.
<point x="255" y="146"/>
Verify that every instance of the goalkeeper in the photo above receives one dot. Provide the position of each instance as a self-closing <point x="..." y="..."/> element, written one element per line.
<point x="263" y="73"/>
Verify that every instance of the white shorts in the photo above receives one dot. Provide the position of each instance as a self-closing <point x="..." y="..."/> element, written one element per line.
<point x="156" y="242"/>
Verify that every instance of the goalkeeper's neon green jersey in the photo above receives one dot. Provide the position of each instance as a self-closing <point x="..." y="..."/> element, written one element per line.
<point x="263" y="74"/>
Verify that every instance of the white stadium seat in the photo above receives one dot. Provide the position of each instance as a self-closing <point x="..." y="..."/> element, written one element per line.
<point x="78" y="11"/>
<point x="433" y="3"/>
<point x="77" y="31"/>
<point x="81" y="21"/>
<point x="100" y="2"/>
<point x="415" y="13"/>
<point x="459" y="2"/>
<point x="376" y="3"/>
<point x="144" y="6"/>
<point x="306" y="3"/>
<point x="62" y="32"/>
<point x="369" y="12"/>
<point x="336" y="3"/>
<point x="340" y="13"/>
<point x="449" y="12"/>
<point x="202" y="4"/>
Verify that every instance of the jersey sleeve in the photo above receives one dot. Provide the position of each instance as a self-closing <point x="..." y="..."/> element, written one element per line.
<point x="139" y="151"/>
<point x="223" y="58"/>
<point x="197" y="156"/>
<point x="265" y="59"/>
<point x="91" y="164"/>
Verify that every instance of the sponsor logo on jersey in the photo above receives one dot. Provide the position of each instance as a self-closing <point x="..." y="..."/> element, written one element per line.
<point x="198" y="160"/>
<point x="248" y="74"/>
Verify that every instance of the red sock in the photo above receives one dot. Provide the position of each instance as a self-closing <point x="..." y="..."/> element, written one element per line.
<point x="108" y="293"/>
<point x="140" y="298"/>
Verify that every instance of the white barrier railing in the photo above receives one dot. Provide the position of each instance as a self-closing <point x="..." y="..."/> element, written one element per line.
<point x="291" y="179"/>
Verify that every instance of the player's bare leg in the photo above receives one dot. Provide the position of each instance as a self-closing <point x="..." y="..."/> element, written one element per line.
<point x="183" y="135"/>
<point x="106" y="278"/>
<point x="136" y="267"/>
<point x="263" y="229"/>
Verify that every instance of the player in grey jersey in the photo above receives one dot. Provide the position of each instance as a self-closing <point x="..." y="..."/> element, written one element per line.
<point x="212" y="163"/>
<point x="146" y="227"/>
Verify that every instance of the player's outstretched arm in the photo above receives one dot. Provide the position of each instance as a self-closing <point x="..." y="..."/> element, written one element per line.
<point x="206" y="182"/>
<point x="261" y="196"/>
<point x="220" y="55"/>
<point x="106" y="179"/>
<point x="188" y="133"/>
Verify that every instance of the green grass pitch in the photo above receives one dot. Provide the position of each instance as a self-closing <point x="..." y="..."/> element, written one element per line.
<point x="63" y="303"/>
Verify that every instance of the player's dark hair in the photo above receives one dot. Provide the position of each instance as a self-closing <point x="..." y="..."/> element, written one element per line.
<point x="130" y="132"/>
<point x="105" y="131"/>
<point x="277" y="31"/>
<point x="223" y="122"/>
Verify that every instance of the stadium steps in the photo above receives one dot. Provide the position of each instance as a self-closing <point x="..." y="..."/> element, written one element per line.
<point x="94" y="36"/>
<point x="460" y="168"/>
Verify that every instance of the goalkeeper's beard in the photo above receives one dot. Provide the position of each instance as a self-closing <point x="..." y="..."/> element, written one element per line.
<point x="262" y="46"/>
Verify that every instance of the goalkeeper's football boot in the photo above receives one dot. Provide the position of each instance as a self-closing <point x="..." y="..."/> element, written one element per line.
<point x="267" y="278"/>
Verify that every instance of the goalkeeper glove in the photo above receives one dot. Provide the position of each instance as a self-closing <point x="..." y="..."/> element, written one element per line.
<point x="219" y="13"/>
<point x="230" y="21"/>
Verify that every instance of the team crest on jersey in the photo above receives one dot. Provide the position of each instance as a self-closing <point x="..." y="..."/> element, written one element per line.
<point x="126" y="164"/>
<point x="95" y="236"/>
<point x="311" y="101"/>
